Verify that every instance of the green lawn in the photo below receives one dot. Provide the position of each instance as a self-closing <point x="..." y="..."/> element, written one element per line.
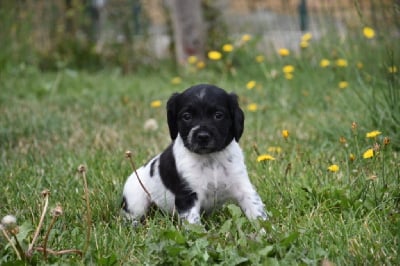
<point x="50" y="123"/>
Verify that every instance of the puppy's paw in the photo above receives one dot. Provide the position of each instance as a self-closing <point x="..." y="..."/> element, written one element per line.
<point x="263" y="216"/>
<point x="130" y="219"/>
<point x="191" y="217"/>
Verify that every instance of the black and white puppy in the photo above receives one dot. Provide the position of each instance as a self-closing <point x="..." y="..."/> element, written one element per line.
<point x="204" y="165"/>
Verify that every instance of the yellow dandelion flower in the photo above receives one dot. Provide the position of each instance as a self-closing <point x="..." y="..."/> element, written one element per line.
<point x="285" y="133"/>
<point x="259" y="58"/>
<point x="265" y="157"/>
<point x="341" y="62"/>
<point x="252" y="107"/>
<point x="288" y="76"/>
<point x="275" y="149"/>
<point x="155" y="104"/>
<point x="333" y="168"/>
<point x="288" y="69"/>
<point x="192" y="59"/>
<point x="304" y="44"/>
<point x="227" y="48"/>
<point x="324" y="63"/>
<point x="373" y="134"/>
<point x="214" y="55"/>
<point x="306" y="37"/>
<point x="251" y="84"/>
<point x="200" y="65"/>
<point x="368" y="154"/>
<point x="343" y="84"/>
<point x="368" y="32"/>
<point x="352" y="157"/>
<point x="283" y="52"/>
<point x="176" y="80"/>
<point x="246" y="37"/>
<point x="360" y="65"/>
<point x="392" y="69"/>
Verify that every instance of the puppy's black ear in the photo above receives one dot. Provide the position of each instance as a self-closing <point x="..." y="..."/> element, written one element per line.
<point x="172" y="115"/>
<point x="237" y="116"/>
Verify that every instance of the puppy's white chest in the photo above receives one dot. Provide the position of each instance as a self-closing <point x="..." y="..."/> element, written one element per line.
<point x="211" y="181"/>
<point x="212" y="176"/>
<point x="215" y="175"/>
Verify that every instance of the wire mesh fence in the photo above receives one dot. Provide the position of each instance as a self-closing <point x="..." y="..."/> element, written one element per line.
<point x="111" y="30"/>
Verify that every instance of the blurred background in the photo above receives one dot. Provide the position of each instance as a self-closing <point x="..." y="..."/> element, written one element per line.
<point x="132" y="34"/>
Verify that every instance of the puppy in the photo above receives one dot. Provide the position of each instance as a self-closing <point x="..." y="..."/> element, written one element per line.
<point x="203" y="167"/>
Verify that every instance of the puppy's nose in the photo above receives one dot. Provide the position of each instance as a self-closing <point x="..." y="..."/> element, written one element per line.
<point x="203" y="136"/>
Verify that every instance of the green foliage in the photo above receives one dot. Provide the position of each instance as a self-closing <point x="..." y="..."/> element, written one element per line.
<point x="70" y="52"/>
<point x="53" y="36"/>
<point x="381" y="95"/>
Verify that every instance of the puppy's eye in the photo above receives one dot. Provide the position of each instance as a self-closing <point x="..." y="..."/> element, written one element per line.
<point x="187" y="116"/>
<point x="219" y="115"/>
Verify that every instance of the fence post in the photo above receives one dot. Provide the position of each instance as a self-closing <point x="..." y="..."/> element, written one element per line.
<point x="303" y="15"/>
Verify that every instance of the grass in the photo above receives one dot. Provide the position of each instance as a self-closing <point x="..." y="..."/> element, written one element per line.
<point x="52" y="122"/>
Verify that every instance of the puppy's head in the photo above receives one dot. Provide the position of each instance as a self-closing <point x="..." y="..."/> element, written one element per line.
<point x="206" y="117"/>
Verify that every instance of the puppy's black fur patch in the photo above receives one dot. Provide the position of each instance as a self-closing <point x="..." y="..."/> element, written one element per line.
<point x="152" y="165"/>
<point x="184" y="196"/>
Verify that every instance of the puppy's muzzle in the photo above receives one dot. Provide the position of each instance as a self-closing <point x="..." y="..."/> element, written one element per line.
<point x="203" y="137"/>
<point x="201" y="140"/>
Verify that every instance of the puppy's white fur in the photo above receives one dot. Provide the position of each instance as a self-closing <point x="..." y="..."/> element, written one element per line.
<point x="215" y="177"/>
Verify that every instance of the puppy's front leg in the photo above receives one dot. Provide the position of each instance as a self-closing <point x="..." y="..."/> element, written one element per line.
<point x="250" y="202"/>
<point x="188" y="207"/>
<point x="192" y="215"/>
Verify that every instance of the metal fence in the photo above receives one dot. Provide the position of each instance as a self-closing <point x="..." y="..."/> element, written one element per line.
<point x="43" y="25"/>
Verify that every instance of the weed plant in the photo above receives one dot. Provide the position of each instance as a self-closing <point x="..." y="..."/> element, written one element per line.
<point x="321" y="146"/>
